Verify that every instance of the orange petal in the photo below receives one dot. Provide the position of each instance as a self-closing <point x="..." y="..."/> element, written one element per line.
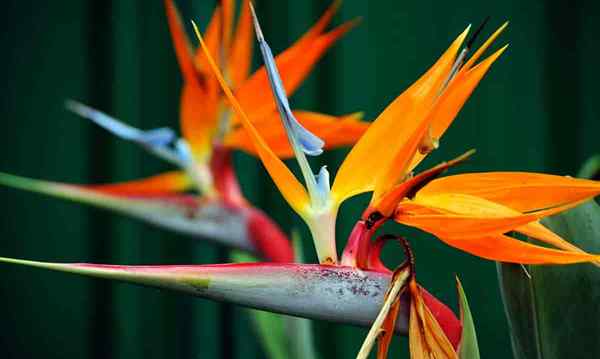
<point x="521" y="191"/>
<point x="506" y="249"/>
<point x="214" y="42"/>
<point x="294" y="64"/>
<point x="484" y="47"/>
<point x="183" y="49"/>
<point x="240" y="57"/>
<point x="479" y="207"/>
<point x="370" y="159"/>
<point x="335" y="131"/>
<point x="319" y="26"/>
<point x="198" y="119"/>
<point x="228" y="11"/>
<point x="197" y="108"/>
<point x="453" y="99"/>
<point x="463" y="226"/>
<point x="289" y="186"/>
<point x="426" y="337"/>
<point x="169" y="182"/>
<point x="387" y="204"/>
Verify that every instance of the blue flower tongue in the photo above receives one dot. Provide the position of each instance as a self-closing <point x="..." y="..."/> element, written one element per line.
<point x="152" y="138"/>
<point x="163" y="141"/>
<point x="299" y="136"/>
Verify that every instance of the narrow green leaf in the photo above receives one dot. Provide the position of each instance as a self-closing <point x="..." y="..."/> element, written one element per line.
<point x="590" y="168"/>
<point x="468" y="349"/>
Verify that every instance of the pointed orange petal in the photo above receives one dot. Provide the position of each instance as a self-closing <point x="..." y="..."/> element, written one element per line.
<point x="485" y="46"/>
<point x="426" y="338"/>
<point x="521" y="191"/>
<point x="462" y="204"/>
<point x="388" y="203"/>
<point x="453" y="99"/>
<point x="319" y="26"/>
<point x="198" y="119"/>
<point x="169" y="182"/>
<point x="240" y="57"/>
<point x="183" y="49"/>
<point x="228" y="13"/>
<point x="294" y="65"/>
<point x="214" y="42"/>
<point x="370" y="159"/>
<point x="506" y="249"/>
<point x="335" y="131"/>
<point x="289" y="186"/>
<point x="463" y="226"/>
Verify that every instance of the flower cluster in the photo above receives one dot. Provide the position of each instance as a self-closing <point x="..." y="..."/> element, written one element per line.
<point x="224" y="108"/>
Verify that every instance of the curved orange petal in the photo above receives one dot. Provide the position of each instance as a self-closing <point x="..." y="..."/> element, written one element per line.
<point x="521" y="191"/>
<point x="453" y="99"/>
<point x="335" y="131"/>
<point x="165" y="183"/>
<point x="294" y="64"/>
<point x="370" y="158"/>
<point x="198" y="118"/>
<point x="183" y="49"/>
<point x="463" y="226"/>
<point x="388" y="203"/>
<point x="506" y="249"/>
<point x="479" y="207"/>
<point x="426" y="337"/>
<point x="240" y="58"/>
<point x="289" y="186"/>
<point x="213" y="38"/>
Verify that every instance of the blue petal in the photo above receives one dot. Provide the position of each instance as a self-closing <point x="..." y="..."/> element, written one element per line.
<point x="323" y="182"/>
<point x="308" y="142"/>
<point x="156" y="137"/>
<point x="183" y="151"/>
<point x="159" y="141"/>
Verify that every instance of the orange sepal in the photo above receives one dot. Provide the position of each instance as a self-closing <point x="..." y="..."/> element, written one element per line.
<point x="426" y="337"/>
<point x="240" y="56"/>
<point x="521" y="191"/>
<point x="198" y="119"/>
<point x="388" y="203"/>
<point x="166" y="183"/>
<point x="473" y="206"/>
<point x="294" y="64"/>
<point x="183" y="49"/>
<point x="506" y="249"/>
<point x="453" y="99"/>
<point x="370" y="159"/>
<point x="289" y="186"/>
<point x="335" y="131"/>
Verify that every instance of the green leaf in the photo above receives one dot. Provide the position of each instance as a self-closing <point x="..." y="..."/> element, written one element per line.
<point x="590" y="168"/>
<point x="468" y="349"/>
<point x="554" y="311"/>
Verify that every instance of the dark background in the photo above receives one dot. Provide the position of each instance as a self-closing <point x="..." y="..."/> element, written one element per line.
<point x="537" y="110"/>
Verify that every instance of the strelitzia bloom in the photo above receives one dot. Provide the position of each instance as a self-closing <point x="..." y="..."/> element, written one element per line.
<point x="210" y="134"/>
<point x="336" y="293"/>
<point x="352" y="289"/>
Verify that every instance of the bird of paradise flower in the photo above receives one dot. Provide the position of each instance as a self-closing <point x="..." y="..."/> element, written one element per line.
<point x="210" y="134"/>
<point x="351" y="289"/>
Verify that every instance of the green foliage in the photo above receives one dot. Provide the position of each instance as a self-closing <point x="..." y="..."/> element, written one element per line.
<point x="469" y="349"/>
<point x="553" y="311"/>
<point x="591" y="168"/>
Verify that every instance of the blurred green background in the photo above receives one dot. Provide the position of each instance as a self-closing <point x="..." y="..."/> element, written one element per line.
<point x="536" y="111"/>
